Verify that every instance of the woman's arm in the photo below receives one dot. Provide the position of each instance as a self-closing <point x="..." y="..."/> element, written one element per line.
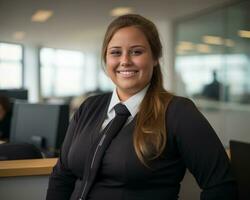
<point x="61" y="183"/>
<point x="203" y="153"/>
<point x="62" y="180"/>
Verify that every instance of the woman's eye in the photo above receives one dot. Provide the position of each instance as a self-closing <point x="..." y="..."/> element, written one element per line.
<point x="115" y="53"/>
<point x="136" y="52"/>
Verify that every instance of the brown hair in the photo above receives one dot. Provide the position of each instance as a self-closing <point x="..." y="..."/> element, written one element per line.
<point x="150" y="132"/>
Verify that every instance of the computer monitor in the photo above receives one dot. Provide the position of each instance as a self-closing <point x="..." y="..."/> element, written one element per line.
<point x="44" y="125"/>
<point x="15" y="94"/>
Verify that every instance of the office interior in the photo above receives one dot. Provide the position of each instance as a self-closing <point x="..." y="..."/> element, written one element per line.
<point x="56" y="62"/>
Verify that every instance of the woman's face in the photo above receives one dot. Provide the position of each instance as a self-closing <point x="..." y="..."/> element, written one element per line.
<point x="129" y="61"/>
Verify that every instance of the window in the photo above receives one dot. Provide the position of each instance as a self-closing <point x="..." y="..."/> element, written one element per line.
<point x="62" y="72"/>
<point x="11" y="65"/>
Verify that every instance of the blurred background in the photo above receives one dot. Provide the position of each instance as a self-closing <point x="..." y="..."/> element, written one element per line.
<point x="50" y="54"/>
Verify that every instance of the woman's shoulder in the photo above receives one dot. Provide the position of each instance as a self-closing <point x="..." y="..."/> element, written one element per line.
<point x="181" y="101"/>
<point x="92" y="102"/>
<point x="96" y="100"/>
<point x="99" y="97"/>
<point x="181" y="105"/>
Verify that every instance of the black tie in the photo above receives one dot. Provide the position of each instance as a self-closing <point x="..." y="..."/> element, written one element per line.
<point x="98" y="150"/>
<point x="121" y="116"/>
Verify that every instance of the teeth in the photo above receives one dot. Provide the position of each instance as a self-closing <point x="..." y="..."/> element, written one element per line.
<point x="127" y="72"/>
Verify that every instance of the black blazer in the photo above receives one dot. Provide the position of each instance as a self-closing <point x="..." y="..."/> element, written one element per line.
<point x="191" y="143"/>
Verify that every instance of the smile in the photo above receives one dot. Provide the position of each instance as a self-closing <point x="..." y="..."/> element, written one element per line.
<point x="127" y="73"/>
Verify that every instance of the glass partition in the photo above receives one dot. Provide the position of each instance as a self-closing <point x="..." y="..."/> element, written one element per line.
<point x="212" y="55"/>
<point x="212" y="66"/>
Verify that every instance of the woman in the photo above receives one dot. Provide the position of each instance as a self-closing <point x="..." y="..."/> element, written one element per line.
<point x="162" y="136"/>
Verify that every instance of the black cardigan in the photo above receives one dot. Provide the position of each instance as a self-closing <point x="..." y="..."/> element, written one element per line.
<point x="191" y="143"/>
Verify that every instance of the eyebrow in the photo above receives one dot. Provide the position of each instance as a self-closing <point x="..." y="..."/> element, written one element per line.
<point x="134" y="46"/>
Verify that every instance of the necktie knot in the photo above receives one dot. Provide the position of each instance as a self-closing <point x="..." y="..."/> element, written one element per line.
<point x="121" y="109"/>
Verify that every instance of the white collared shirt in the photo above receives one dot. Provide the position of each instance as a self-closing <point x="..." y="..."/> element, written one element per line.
<point x="132" y="104"/>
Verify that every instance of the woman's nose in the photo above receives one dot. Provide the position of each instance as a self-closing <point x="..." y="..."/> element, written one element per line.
<point x="125" y="60"/>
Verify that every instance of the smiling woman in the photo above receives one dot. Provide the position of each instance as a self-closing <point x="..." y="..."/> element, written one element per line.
<point x="162" y="135"/>
<point x="129" y="61"/>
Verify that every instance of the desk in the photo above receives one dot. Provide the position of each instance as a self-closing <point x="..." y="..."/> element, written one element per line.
<point x="25" y="179"/>
<point x="30" y="167"/>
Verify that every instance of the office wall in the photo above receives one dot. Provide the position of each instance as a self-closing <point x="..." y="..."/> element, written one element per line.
<point x="166" y="32"/>
<point x="230" y="123"/>
<point x="31" y="71"/>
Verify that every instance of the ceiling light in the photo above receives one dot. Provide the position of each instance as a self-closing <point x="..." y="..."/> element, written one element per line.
<point x="41" y="15"/>
<point x="185" y="46"/>
<point x="121" y="11"/>
<point x="244" y="33"/>
<point x="19" y="35"/>
<point x="209" y="39"/>
<point x="203" y="48"/>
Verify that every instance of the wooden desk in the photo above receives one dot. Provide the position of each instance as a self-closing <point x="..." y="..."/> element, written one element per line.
<point x="27" y="167"/>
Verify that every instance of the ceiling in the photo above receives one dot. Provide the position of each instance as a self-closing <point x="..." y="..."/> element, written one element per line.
<point x="80" y="24"/>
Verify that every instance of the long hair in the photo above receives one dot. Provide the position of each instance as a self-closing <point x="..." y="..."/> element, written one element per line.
<point x="150" y="135"/>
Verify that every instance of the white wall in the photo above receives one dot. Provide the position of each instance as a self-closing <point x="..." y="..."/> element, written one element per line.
<point x="31" y="71"/>
<point x="230" y="124"/>
<point x="166" y="32"/>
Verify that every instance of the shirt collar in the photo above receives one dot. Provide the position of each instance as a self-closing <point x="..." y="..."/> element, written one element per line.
<point x="132" y="103"/>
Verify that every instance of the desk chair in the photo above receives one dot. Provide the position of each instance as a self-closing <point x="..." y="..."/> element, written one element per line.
<point x="9" y="151"/>
<point x="240" y="159"/>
